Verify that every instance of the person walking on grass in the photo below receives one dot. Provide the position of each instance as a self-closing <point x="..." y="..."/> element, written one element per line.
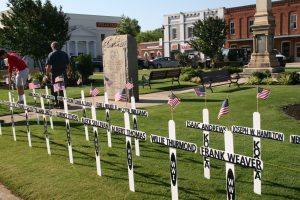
<point x="57" y="64"/>
<point x="16" y="63"/>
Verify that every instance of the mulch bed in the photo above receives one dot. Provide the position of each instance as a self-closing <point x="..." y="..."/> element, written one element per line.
<point x="293" y="111"/>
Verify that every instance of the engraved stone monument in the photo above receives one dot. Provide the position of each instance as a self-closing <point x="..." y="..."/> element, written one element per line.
<point x="263" y="56"/>
<point x="120" y="64"/>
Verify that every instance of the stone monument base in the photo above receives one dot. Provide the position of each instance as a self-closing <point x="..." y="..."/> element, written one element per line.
<point x="249" y="70"/>
<point x="260" y="62"/>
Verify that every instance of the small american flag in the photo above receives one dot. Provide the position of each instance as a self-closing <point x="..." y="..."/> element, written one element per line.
<point x="58" y="86"/>
<point x="59" y="79"/>
<point x="200" y="91"/>
<point x="173" y="100"/>
<point x="108" y="82"/>
<point x="35" y="84"/>
<point x="129" y="85"/>
<point x="7" y="80"/>
<point x="224" y="108"/>
<point x="94" y="91"/>
<point x="79" y="81"/>
<point x="263" y="93"/>
<point x="121" y="95"/>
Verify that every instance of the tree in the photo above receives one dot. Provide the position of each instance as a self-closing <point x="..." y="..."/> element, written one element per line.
<point x="29" y="27"/>
<point x="210" y="35"/>
<point x="128" y="26"/>
<point x="149" y="36"/>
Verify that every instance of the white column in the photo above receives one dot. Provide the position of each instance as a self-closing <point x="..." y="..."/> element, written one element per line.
<point x="87" y="47"/>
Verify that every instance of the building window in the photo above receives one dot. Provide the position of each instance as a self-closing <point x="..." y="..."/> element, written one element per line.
<point x="250" y="24"/>
<point x="231" y="27"/>
<point x="293" y="21"/>
<point x="174" y="33"/>
<point x="102" y="37"/>
<point x="190" y="32"/>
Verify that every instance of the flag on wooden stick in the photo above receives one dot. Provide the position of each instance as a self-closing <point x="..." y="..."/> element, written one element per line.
<point x="79" y="81"/>
<point x="200" y="91"/>
<point x="129" y="85"/>
<point x="59" y="86"/>
<point x="224" y="108"/>
<point x="35" y="84"/>
<point x="263" y="93"/>
<point x="121" y="95"/>
<point x="108" y="82"/>
<point x="94" y="91"/>
<point x="173" y="100"/>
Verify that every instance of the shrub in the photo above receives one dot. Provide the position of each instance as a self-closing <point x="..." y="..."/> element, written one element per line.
<point x="289" y="78"/>
<point x="84" y="66"/>
<point x="268" y="81"/>
<point x="185" y="77"/>
<point x="261" y="75"/>
<point x="196" y="80"/>
<point x="233" y="70"/>
<point x="253" y="80"/>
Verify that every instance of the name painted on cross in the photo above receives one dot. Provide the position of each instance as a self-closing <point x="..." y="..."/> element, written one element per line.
<point x="82" y="103"/>
<point x="43" y="111"/>
<point x="107" y="106"/>
<point x="177" y="144"/>
<point x="95" y="123"/>
<point x="34" y="94"/>
<point x="232" y="158"/>
<point x="295" y="139"/>
<point x="258" y="133"/>
<point x="135" y="111"/>
<point x="47" y="96"/>
<point x="128" y="132"/>
<point x="206" y="127"/>
<point x="67" y="116"/>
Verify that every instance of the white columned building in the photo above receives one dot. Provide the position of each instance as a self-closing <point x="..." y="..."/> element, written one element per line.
<point x="87" y="33"/>
<point x="178" y="30"/>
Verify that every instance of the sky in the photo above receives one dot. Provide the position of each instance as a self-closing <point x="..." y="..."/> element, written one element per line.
<point x="149" y="13"/>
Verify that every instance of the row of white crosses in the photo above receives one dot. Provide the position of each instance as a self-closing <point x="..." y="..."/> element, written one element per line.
<point x="228" y="155"/>
<point x="138" y="135"/>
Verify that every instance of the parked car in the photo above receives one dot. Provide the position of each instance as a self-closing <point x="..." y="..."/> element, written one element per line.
<point x="163" y="62"/>
<point x="142" y="64"/>
<point x="281" y="58"/>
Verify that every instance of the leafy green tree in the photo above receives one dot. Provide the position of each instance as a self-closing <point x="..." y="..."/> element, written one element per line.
<point x="29" y="27"/>
<point x="149" y="36"/>
<point x="210" y="35"/>
<point x="128" y="26"/>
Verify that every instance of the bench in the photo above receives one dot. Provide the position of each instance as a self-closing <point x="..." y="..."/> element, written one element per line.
<point x="159" y="75"/>
<point x="222" y="77"/>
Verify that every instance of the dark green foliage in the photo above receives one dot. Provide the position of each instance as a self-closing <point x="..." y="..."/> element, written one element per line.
<point x="128" y="26"/>
<point x="149" y="36"/>
<point x="187" y="73"/>
<point x="233" y="70"/>
<point x="84" y="66"/>
<point x="289" y="78"/>
<point x="210" y="36"/>
<point x="261" y="75"/>
<point x="29" y="27"/>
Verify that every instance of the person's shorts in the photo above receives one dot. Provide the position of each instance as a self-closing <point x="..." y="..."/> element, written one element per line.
<point x="21" y="77"/>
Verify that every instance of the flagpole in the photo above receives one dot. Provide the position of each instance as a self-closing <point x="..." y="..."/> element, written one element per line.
<point x="205" y="98"/>
<point x="257" y="99"/>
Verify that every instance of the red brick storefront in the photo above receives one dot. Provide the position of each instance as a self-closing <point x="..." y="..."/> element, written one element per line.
<point x="150" y="50"/>
<point x="287" y="31"/>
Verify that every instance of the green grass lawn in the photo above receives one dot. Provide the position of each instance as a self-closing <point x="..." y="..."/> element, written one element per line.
<point x="33" y="174"/>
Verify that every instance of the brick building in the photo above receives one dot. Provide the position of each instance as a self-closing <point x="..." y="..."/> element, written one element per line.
<point x="287" y="31"/>
<point x="150" y="50"/>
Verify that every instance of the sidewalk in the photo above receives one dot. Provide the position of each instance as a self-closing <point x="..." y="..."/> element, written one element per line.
<point x="146" y="100"/>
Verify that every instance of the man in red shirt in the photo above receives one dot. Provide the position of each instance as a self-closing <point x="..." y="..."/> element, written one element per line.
<point x="15" y="62"/>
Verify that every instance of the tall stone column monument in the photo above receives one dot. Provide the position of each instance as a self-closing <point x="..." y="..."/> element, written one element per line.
<point x="263" y="57"/>
<point x="120" y="65"/>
